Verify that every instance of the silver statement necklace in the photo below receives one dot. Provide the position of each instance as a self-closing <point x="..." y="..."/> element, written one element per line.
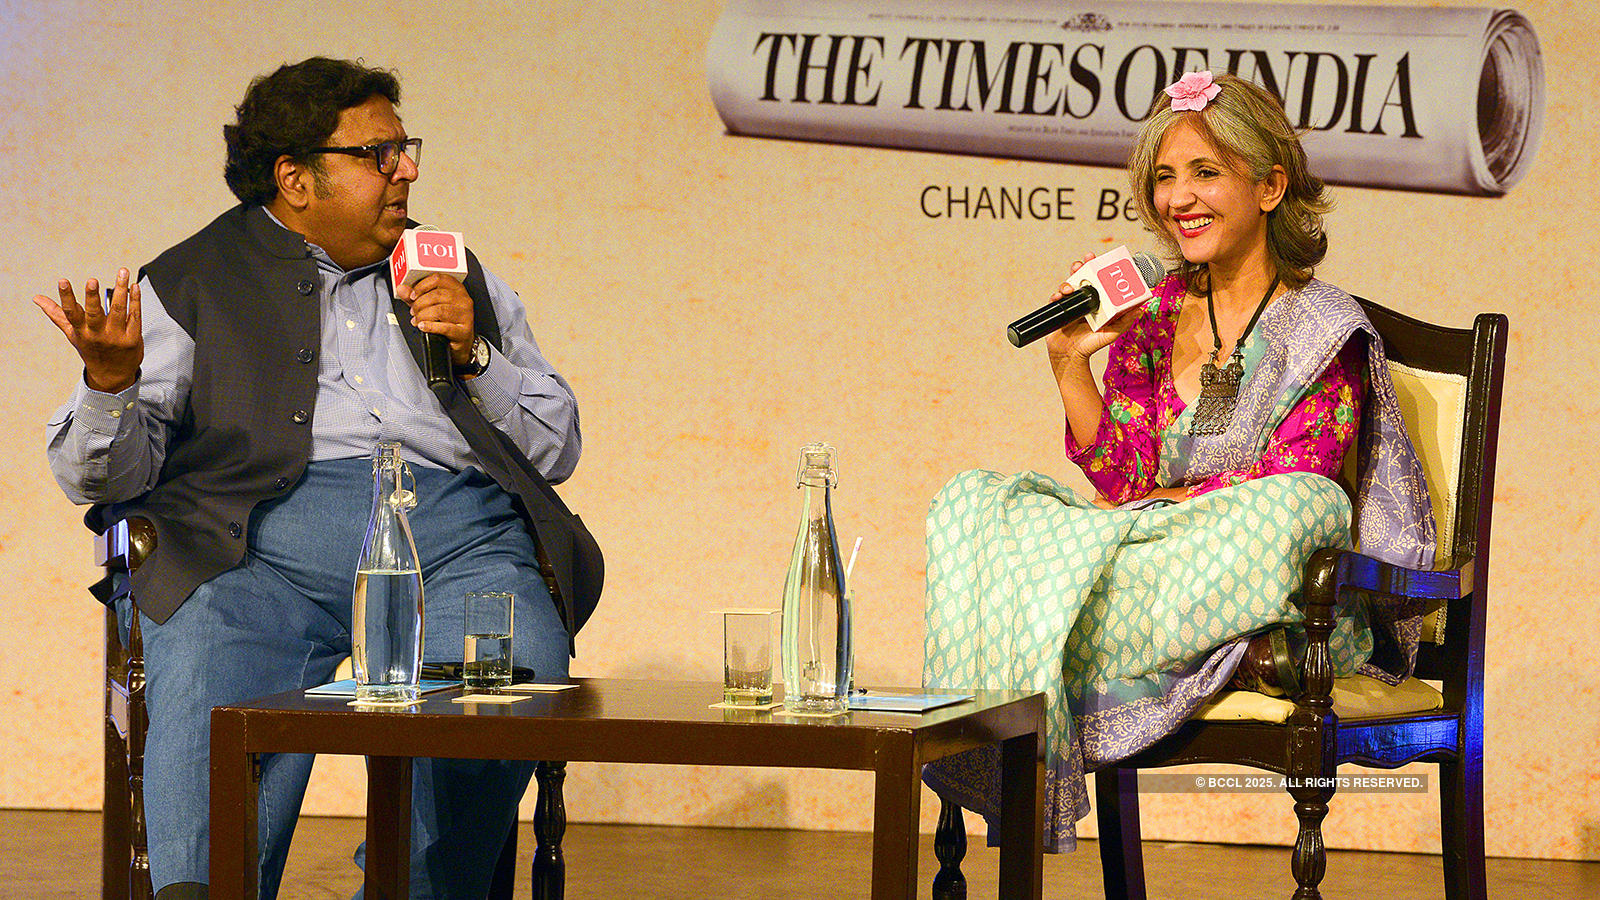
<point x="1219" y="388"/>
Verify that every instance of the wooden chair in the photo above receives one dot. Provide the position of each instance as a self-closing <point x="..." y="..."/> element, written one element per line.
<point x="1449" y="382"/>
<point x="124" y="858"/>
<point x="124" y="862"/>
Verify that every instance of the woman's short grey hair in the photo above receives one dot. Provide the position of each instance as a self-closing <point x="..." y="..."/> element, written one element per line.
<point x="1247" y="124"/>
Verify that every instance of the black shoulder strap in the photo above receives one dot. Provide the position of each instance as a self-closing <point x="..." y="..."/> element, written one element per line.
<point x="571" y="557"/>
<point x="484" y="318"/>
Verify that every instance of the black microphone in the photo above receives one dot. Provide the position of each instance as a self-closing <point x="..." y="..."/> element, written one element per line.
<point x="1109" y="284"/>
<point x="1053" y="315"/>
<point x="437" y="369"/>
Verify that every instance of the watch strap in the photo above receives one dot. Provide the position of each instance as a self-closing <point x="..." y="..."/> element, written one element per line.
<point x="479" y="362"/>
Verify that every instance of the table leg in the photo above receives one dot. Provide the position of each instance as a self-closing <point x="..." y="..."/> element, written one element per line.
<point x="388" y="827"/>
<point x="235" y="787"/>
<point x="897" y="805"/>
<point x="549" y="826"/>
<point x="949" y="847"/>
<point x="1116" y="804"/>
<point x="1022" y="817"/>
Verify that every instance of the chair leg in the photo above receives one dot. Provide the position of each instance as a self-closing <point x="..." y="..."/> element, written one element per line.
<point x="115" y="841"/>
<point x="1116" y="795"/>
<point x="1461" y="826"/>
<point x="549" y="826"/>
<point x="503" y="885"/>
<point x="124" y="855"/>
<point x="139" y="887"/>
<point x="1313" y="741"/>
<point x="116" y="849"/>
<point x="949" y="847"/>
<point x="1310" y="858"/>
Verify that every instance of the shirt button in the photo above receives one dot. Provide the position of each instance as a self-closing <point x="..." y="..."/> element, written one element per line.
<point x="349" y="323"/>
<point x="116" y="414"/>
<point x="280" y="482"/>
<point x="360" y="380"/>
<point x="305" y="287"/>
<point x="304" y="355"/>
<point x="234" y="529"/>
<point x="299" y="417"/>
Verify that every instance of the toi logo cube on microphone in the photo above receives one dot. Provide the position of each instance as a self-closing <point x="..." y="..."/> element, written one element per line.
<point x="1119" y="282"/>
<point x="421" y="253"/>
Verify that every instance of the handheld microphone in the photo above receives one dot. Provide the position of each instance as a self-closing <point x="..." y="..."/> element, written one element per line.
<point x="1106" y="286"/>
<point x="422" y="252"/>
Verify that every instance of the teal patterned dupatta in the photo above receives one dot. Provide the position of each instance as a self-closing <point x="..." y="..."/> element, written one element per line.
<point x="1130" y="619"/>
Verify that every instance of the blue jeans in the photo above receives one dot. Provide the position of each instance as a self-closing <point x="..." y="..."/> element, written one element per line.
<point x="280" y="621"/>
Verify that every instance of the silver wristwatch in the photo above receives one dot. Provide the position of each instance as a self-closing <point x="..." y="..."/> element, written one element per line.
<point x="480" y="359"/>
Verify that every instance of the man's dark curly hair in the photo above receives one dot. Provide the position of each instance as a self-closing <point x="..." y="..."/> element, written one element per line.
<point x="289" y="112"/>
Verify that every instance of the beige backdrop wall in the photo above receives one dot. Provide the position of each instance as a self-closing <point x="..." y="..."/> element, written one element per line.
<point x="719" y="301"/>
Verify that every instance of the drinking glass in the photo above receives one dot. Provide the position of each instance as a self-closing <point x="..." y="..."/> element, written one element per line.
<point x="747" y="657"/>
<point x="486" y="658"/>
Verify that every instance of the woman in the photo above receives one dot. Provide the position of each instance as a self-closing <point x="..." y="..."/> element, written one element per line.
<point x="1231" y="401"/>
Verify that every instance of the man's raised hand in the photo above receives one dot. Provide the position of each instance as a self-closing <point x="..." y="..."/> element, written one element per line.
<point x="110" y="342"/>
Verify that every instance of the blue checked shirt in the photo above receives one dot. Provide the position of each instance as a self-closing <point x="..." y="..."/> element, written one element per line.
<point x="107" y="448"/>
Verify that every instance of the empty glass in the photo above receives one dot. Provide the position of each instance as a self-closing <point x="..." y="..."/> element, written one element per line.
<point x="747" y="657"/>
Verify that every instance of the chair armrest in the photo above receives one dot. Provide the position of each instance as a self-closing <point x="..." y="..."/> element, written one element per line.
<point x="125" y="545"/>
<point x="1449" y="580"/>
<point x="1332" y="570"/>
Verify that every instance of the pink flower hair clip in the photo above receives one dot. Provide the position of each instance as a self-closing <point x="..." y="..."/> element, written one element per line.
<point x="1193" y="91"/>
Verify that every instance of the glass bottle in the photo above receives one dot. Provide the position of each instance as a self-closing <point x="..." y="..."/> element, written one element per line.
<point x="386" y="620"/>
<point x="816" y="611"/>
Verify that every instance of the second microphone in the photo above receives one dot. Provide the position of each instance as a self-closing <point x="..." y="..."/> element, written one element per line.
<point x="1106" y="286"/>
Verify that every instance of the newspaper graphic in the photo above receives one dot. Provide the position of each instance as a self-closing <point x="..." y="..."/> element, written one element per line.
<point x="1409" y="97"/>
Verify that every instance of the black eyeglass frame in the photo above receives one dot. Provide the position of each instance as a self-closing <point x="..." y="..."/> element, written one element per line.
<point x="411" y="147"/>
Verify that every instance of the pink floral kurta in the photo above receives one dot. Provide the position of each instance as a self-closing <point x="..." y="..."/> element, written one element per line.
<point x="1141" y="402"/>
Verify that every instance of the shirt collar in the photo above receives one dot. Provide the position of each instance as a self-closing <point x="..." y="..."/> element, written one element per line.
<point x="324" y="261"/>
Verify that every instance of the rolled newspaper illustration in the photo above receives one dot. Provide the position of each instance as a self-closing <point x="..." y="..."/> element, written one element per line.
<point x="1410" y="97"/>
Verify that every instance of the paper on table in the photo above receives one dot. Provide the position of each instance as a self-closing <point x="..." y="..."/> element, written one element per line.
<point x="536" y="687"/>
<point x="486" y="698"/>
<point x="347" y="688"/>
<point x="905" y="702"/>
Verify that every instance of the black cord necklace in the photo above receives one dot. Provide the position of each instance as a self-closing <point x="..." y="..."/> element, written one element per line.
<point x="1219" y="388"/>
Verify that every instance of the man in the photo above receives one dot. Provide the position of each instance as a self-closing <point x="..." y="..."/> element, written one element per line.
<point x="233" y="395"/>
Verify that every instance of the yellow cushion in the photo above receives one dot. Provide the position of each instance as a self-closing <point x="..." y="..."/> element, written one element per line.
<point x="1434" y="406"/>
<point x="1356" y="697"/>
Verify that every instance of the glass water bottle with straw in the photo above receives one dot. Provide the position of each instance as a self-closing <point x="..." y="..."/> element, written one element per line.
<point x="816" y="610"/>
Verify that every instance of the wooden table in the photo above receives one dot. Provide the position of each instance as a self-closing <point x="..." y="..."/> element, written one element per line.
<point x="611" y="720"/>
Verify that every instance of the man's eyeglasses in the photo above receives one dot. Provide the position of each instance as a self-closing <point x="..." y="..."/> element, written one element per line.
<point x="385" y="153"/>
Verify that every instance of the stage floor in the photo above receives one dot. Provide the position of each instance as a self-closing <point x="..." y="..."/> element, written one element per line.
<point x="56" y="854"/>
